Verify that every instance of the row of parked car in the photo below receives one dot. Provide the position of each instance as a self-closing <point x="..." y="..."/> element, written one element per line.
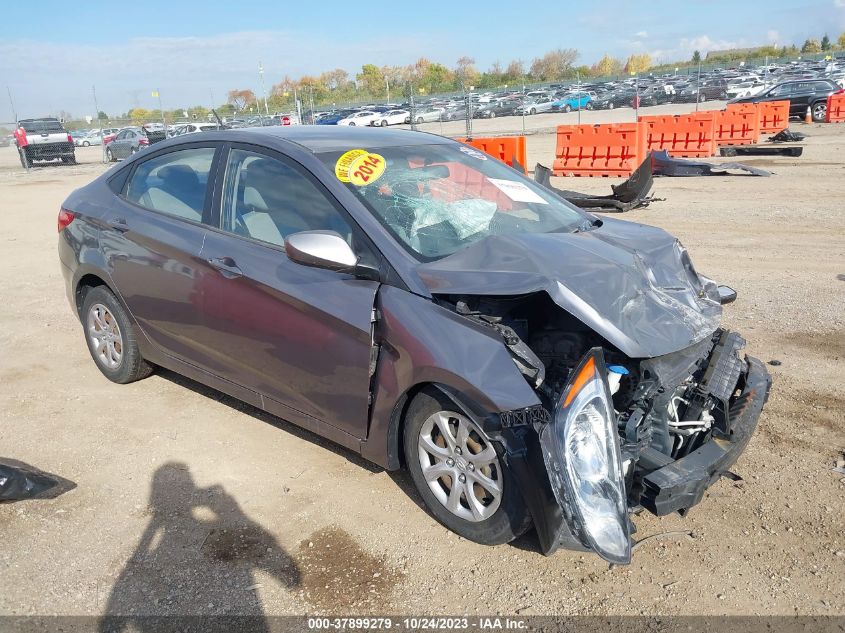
<point x="725" y="85"/>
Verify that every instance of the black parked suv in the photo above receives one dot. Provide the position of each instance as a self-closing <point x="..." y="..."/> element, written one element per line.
<point x="801" y="94"/>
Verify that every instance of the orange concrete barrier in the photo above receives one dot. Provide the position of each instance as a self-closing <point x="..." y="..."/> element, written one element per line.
<point x="599" y="150"/>
<point x="773" y="116"/>
<point x="836" y="108"/>
<point x="738" y="124"/>
<point x="682" y="135"/>
<point x="505" y="148"/>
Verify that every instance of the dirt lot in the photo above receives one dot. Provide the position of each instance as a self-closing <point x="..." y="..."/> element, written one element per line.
<point x="187" y="501"/>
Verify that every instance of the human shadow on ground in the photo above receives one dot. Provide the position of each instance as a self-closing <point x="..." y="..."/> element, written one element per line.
<point x="194" y="568"/>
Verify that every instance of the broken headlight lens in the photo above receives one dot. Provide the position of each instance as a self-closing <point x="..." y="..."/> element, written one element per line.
<point x="581" y="448"/>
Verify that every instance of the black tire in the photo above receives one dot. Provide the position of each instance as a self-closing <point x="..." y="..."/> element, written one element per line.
<point x="589" y="105"/>
<point x="610" y="105"/>
<point x="419" y="120"/>
<point x="86" y="144"/>
<point x="109" y="155"/>
<point x="26" y="161"/>
<point x="702" y="98"/>
<point x="352" y="124"/>
<point x="532" y="111"/>
<point x="492" y="115"/>
<point x="510" y="520"/>
<point x="567" y="108"/>
<point x="819" y="111"/>
<point x="69" y="160"/>
<point x="131" y="366"/>
<point x="384" y="123"/>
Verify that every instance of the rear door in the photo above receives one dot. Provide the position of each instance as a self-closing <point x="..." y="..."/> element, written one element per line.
<point x="152" y="241"/>
<point x="802" y="93"/>
<point x="298" y="335"/>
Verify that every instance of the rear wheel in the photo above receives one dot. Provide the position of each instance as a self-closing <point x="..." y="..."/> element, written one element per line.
<point x="86" y="144"/>
<point x="819" y="111"/>
<point x="533" y="111"/>
<point x="26" y="161"/>
<point x="589" y="105"/>
<point x="567" y="108"/>
<point x="352" y="124"/>
<point x="460" y="473"/>
<point x="492" y="115"/>
<point x="111" y="339"/>
<point x="109" y="155"/>
<point x="610" y="106"/>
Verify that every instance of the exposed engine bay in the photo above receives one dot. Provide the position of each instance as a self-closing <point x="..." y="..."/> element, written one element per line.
<point x="666" y="407"/>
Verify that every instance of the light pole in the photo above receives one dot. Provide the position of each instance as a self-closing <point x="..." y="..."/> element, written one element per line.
<point x="263" y="91"/>
<point x="698" y="86"/>
<point x="387" y="87"/>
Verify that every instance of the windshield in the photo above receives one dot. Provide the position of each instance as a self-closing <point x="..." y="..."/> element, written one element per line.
<point x="438" y="199"/>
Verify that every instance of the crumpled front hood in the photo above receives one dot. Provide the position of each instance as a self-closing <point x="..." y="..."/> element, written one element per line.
<point x="633" y="284"/>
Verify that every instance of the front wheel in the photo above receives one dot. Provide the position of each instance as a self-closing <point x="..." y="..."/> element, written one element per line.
<point x="567" y="108"/>
<point x="419" y="120"/>
<point x="610" y="106"/>
<point x="351" y="124"/>
<point x="384" y="123"/>
<point x="533" y="111"/>
<point x="86" y="144"/>
<point x="589" y="105"/>
<point x="109" y="155"/>
<point x="819" y="111"/>
<point x="460" y="473"/>
<point x="26" y="161"/>
<point x="702" y="98"/>
<point x="111" y="339"/>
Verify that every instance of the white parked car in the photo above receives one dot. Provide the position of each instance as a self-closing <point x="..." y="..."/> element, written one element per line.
<point x="391" y="117"/>
<point x="745" y="89"/>
<point x="364" y="117"/>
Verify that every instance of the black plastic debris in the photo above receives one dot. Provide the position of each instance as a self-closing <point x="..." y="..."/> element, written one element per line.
<point x="761" y="150"/>
<point x="664" y="165"/>
<point x="20" y="481"/>
<point x="775" y="362"/>
<point x="787" y="136"/>
<point x="628" y="195"/>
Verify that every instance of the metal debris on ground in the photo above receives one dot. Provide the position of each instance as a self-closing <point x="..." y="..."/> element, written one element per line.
<point x="787" y="136"/>
<point x="688" y="534"/>
<point x="664" y="165"/>
<point x="19" y="481"/>
<point x="761" y="150"/>
<point x="631" y="194"/>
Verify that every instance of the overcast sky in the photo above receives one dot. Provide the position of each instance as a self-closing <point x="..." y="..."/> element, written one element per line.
<point x="194" y="53"/>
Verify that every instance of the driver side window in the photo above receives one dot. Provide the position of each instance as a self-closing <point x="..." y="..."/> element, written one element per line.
<point x="267" y="199"/>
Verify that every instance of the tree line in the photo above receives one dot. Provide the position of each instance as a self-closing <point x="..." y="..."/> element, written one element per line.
<point x="426" y="77"/>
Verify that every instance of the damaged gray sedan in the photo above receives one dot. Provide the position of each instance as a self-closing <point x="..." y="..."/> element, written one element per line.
<point x="425" y="305"/>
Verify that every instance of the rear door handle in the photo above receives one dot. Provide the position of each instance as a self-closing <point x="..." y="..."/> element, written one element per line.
<point x="226" y="265"/>
<point x="118" y="224"/>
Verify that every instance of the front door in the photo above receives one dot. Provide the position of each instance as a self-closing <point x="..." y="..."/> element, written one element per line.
<point x="299" y="336"/>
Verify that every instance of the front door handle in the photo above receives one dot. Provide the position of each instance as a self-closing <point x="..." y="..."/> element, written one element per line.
<point x="226" y="265"/>
<point x="118" y="224"/>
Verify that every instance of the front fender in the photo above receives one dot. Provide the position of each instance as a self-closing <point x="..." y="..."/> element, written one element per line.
<point x="424" y="343"/>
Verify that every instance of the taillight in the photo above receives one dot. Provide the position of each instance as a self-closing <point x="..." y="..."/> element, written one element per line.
<point x="65" y="218"/>
<point x="143" y="141"/>
<point x="69" y="138"/>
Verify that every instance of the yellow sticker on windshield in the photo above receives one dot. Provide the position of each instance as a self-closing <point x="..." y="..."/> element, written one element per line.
<point x="341" y="167"/>
<point x="366" y="169"/>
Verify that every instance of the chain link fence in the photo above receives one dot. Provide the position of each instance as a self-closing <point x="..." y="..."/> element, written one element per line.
<point x="66" y="140"/>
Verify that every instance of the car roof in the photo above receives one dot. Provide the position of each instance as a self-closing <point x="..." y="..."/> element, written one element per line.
<point x="319" y="138"/>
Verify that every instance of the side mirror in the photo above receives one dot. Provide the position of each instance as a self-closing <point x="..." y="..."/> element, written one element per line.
<point x="326" y="249"/>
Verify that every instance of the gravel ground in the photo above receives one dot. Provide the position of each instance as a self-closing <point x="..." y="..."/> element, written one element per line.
<point x="190" y="502"/>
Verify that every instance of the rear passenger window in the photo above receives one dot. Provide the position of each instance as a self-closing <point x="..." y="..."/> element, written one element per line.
<point x="174" y="183"/>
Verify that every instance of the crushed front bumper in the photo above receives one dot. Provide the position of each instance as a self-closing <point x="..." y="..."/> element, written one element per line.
<point x="679" y="485"/>
<point x="671" y="486"/>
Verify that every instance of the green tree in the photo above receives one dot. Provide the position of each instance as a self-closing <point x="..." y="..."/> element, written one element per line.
<point x="515" y="72"/>
<point x="607" y="66"/>
<point x="841" y="41"/>
<point x="102" y="116"/>
<point x="554" y="65"/>
<point x="465" y="72"/>
<point x="371" y="80"/>
<point x="696" y="57"/>
<point x="826" y="43"/>
<point x="139" y="115"/>
<point x="811" y="46"/>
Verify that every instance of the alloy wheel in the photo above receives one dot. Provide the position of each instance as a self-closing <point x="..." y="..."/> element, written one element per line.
<point x="820" y="112"/>
<point x="460" y="466"/>
<point x="105" y="336"/>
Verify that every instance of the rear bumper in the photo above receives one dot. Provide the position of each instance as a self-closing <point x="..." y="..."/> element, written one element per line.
<point x="681" y="484"/>
<point x="48" y="151"/>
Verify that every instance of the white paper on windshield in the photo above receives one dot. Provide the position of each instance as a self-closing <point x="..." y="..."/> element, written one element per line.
<point x="517" y="191"/>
